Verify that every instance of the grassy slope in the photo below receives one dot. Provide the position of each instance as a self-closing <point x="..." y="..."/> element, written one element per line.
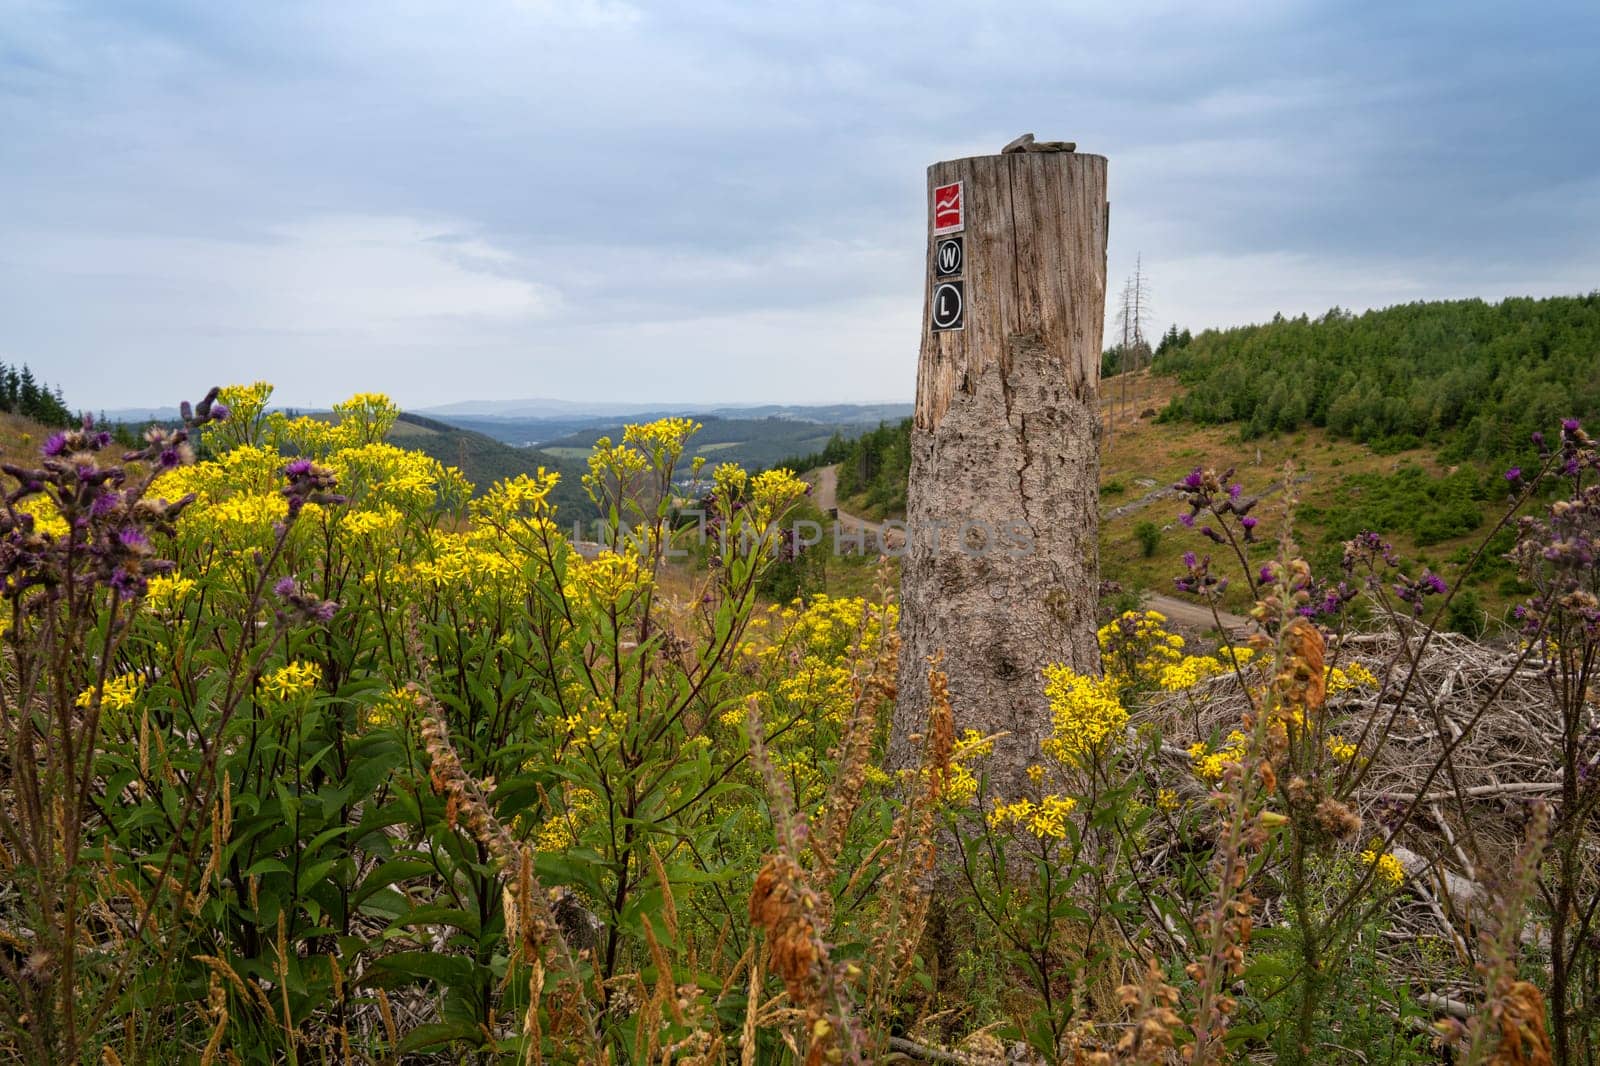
<point x="20" y="437"/>
<point x="1332" y="478"/>
<point x="1144" y="455"/>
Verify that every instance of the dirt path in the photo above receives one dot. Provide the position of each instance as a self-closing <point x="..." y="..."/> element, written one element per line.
<point x="1195" y="615"/>
<point x="825" y="494"/>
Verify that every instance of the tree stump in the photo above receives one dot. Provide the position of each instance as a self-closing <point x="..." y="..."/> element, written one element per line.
<point x="1001" y="566"/>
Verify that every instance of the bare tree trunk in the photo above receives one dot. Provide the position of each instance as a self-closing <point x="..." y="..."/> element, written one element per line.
<point x="1001" y="568"/>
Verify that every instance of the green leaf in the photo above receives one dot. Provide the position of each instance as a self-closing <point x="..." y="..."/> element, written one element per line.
<point x="310" y="875"/>
<point x="438" y="914"/>
<point x="437" y="1034"/>
<point x="405" y="967"/>
<point x="388" y="873"/>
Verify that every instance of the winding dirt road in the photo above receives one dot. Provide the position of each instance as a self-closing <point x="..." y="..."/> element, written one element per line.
<point x="825" y="494"/>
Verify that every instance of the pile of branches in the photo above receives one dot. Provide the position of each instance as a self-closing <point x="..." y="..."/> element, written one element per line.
<point x="1455" y="745"/>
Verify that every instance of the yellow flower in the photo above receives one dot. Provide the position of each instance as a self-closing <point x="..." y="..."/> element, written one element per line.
<point x="1167" y="800"/>
<point x="165" y="590"/>
<point x="521" y="497"/>
<point x="1209" y="765"/>
<point x="367" y="523"/>
<point x="1188" y="672"/>
<point x="367" y="416"/>
<point x="1085" y="714"/>
<point x="118" y="694"/>
<point x="1340" y="748"/>
<point x="664" y="436"/>
<point x="292" y="680"/>
<point x="46" y="519"/>
<point x="393" y="709"/>
<point x="773" y="492"/>
<point x="1390" y="869"/>
<point x="1046" y="819"/>
<point x="961" y="786"/>
<point x="1343" y="679"/>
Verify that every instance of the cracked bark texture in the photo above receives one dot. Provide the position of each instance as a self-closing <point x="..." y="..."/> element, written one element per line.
<point x="1004" y="449"/>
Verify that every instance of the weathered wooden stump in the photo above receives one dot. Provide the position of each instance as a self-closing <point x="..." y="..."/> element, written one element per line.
<point x="1001" y="567"/>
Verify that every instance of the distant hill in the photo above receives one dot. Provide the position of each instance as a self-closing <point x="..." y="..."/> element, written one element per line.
<point x="569" y="411"/>
<point x="553" y="429"/>
<point x="1468" y="378"/>
<point x="753" y="443"/>
<point x="485" y="460"/>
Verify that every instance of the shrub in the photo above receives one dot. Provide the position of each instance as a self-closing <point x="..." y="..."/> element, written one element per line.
<point x="1149" y="537"/>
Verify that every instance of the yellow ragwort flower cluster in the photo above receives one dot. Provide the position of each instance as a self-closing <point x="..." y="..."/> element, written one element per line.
<point x="1209" y="765"/>
<point x="1046" y="819"/>
<point x="1340" y="748"/>
<point x="1085" y="713"/>
<point x="119" y="693"/>
<point x="168" y="590"/>
<point x="1390" y="870"/>
<point x="291" y="681"/>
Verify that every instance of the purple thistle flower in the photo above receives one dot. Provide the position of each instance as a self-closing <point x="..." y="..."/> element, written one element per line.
<point x="55" y="444"/>
<point x="286" y="587"/>
<point x="133" y="539"/>
<point x="298" y="468"/>
<point x="1187" y="520"/>
<point x="1514" y="473"/>
<point x="1235" y="490"/>
<point x="1189" y="560"/>
<point x="126" y="584"/>
<point x="1570" y="425"/>
<point x="1195" y="480"/>
<point x="220" y="412"/>
<point x="1249" y="521"/>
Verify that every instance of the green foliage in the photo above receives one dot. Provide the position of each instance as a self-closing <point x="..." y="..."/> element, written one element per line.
<point x="1430" y="509"/>
<point x="1149" y="536"/>
<point x="1470" y="377"/>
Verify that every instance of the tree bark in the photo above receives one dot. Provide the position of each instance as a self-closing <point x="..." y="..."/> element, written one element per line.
<point x="1001" y="566"/>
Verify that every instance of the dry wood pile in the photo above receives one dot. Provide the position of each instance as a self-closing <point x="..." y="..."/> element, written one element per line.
<point x="1459" y="735"/>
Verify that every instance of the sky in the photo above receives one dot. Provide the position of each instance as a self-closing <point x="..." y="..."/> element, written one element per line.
<point x="725" y="201"/>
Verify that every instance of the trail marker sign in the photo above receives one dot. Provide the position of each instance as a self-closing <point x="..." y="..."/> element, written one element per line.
<point x="949" y="306"/>
<point x="949" y="256"/>
<point x="949" y="209"/>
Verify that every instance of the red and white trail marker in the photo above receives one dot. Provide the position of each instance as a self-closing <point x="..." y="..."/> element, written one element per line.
<point x="949" y="212"/>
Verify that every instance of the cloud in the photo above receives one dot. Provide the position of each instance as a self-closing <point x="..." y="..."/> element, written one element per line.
<point x="449" y="202"/>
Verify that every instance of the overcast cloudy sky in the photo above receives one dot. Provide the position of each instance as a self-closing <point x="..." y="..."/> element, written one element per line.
<point x="724" y="201"/>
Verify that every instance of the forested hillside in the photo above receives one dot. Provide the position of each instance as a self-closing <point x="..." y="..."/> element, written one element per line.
<point x="1470" y="378"/>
